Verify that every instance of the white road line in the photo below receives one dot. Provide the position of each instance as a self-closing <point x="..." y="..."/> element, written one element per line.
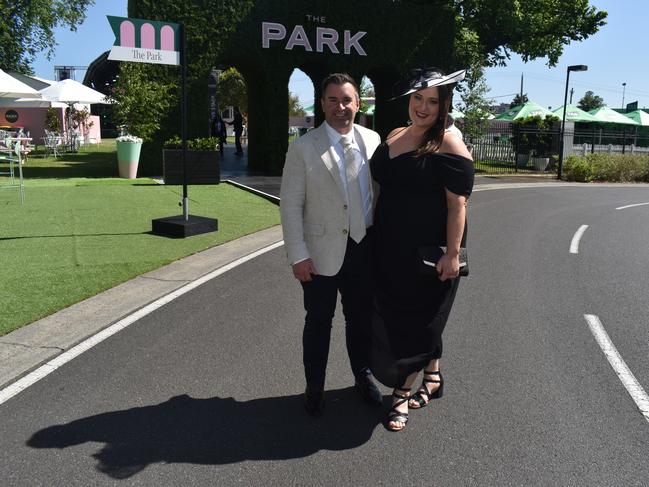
<point x="631" y="206"/>
<point x="49" y="367"/>
<point x="632" y="385"/>
<point x="574" y="244"/>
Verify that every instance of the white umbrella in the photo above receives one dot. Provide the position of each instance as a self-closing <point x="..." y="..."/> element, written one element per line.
<point x="71" y="91"/>
<point x="10" y="87"/>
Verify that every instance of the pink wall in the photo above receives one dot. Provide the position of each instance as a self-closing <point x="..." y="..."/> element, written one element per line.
<point x="32" y="119"/>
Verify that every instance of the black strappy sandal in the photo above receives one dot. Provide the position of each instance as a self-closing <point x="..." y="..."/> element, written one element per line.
<point x="422" y="397"/>
<point x="393" y="414"/>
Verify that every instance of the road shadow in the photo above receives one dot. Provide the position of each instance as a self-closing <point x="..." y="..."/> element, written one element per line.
<point x="215" y="431"/>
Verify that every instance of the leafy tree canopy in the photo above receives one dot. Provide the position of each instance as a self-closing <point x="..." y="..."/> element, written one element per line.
<point x="590" y="101"/>
<point x="493" y="29"/>
<point x="141" y="98"/>
<point x="294" y="107"/>
<point x="232" y="91"/>
<point x="27" y="28"/>
<point x="474" y="104"/>
<point x="519" y="100"/>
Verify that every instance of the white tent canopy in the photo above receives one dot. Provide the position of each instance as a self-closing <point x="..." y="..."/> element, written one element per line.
<point x="10" y="87"/>
<point x="31" y="103"/>
<point x="71" y="91"/>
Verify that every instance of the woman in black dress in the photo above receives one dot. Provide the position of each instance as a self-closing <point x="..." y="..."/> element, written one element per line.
<point x="425" y="177"/>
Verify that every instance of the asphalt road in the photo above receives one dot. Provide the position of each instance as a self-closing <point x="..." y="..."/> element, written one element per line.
<point x="206" y="390"/>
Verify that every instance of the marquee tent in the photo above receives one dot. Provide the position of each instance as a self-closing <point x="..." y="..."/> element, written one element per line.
<point x="606" y="115"/>
<point x="575" y="114"/>
<point x="639" y="116"/>
<point x="527" y="109"/>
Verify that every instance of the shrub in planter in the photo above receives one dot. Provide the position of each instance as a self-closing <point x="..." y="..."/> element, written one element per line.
<point x="534" y="136"/>
<point x="202" y="161"/>
<point x="128" y="155"/>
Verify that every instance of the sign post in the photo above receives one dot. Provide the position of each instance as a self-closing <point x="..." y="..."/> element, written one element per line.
<point x="156" y="42"/>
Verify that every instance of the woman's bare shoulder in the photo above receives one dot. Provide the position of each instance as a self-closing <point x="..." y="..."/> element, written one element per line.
<point x="395" y="132"/>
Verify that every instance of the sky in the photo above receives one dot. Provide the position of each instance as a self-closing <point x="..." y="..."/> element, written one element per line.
<point x="614" y="55"/>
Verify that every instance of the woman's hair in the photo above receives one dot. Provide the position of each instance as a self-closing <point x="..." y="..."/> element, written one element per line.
<point x="434" y="136"/>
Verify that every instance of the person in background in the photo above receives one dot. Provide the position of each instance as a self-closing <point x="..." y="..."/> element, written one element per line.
<point x="452" y="128"/>
<point x="237" y="123"/>
<point x="219" y="130"/>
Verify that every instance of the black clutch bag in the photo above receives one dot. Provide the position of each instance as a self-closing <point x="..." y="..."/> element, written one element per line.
<point x="429" y="256"/>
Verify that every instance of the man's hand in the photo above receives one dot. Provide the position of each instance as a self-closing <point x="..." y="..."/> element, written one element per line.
<point x="303" y="270"/>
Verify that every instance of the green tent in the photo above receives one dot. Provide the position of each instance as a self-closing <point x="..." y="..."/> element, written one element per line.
<point x="574" y="114"/>
<point x="309" y="111"/>
<point x="606" y="115"/>
<point x="639" y="116"/>
<point x="527" y="109"/>
<point x="369" y="110"/>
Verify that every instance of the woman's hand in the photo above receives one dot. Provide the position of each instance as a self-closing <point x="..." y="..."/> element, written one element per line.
<point x="448" y="266"/>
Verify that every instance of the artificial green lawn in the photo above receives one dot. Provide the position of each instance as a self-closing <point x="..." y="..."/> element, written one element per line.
<point x="74" y="238"/>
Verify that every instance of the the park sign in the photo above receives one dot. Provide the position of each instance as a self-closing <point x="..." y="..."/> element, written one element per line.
<point x="324" y="37"/>
<point x="145" y="41"/>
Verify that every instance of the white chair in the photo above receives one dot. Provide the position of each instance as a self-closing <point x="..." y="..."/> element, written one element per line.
<point x="52" y="141"/>
<point x="14" y="156"/>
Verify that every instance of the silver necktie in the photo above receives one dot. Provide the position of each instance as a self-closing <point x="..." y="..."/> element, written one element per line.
<point x="356" y="213"/>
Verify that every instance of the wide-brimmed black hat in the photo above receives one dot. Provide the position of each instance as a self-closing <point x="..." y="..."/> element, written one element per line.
<point x="419" y="79"/>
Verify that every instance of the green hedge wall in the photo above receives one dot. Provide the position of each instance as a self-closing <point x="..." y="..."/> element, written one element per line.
<point x="227" y="33"/>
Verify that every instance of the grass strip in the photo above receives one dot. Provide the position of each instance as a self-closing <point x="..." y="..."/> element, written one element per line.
<point x="70" y="242"/>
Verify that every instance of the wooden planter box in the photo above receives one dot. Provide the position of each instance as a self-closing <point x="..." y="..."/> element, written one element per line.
<point x="203" y="166"/>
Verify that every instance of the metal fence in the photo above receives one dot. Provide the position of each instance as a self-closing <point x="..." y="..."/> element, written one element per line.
<point x="502" y="149"/>
<point x="589" y="140"/>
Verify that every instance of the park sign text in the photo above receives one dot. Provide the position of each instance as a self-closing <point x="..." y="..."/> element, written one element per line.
<point x="145" y="41"/>
<point x="324" y="37"/>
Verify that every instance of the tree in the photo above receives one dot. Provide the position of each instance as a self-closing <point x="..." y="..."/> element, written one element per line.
<point x="366" y="91"/>
<point x="80" y="119"/>
<point x="474" y="105"/>
<point x="141" y="99"/>
<point x="590" y="101"/>
<point x="294" y="107"/>
<point x="519" y="100"/>
<point x="532" y="28"/>
<point x="27" y="29"/>
<point x="52" y="120"/>
<point x="232" y="90"/>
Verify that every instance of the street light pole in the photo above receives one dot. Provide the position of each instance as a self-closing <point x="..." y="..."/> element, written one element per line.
<point x="623" y="90"/>
<point x="577" y="67"/>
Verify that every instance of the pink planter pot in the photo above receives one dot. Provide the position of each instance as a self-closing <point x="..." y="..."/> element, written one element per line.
<point x="128" y="157"/>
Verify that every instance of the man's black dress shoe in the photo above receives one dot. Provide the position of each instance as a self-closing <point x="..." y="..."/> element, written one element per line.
<point x="314" y="401"/>
<point x="369" y="391"/>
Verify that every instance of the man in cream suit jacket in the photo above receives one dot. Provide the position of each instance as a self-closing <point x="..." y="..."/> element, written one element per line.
<point x="326" y="208"/>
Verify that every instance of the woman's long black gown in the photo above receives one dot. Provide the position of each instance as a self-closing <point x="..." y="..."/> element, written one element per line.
<point x="410" y="310"/>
